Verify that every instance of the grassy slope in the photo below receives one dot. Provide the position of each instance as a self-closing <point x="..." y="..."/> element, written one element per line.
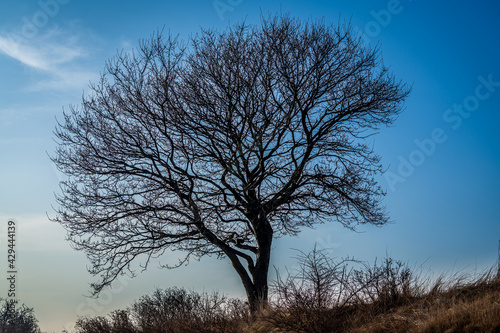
<point x="461" y="307"/>
<point x="384" y="298"/>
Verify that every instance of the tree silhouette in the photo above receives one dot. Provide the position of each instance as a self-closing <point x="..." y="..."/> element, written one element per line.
<point x="221" y="144"/>
<point x="17" y="319"/>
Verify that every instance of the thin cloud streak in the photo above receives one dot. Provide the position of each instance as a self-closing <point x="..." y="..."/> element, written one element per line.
<point x="23" y="53"/>
<point x="51" y="55"/>
<point x="66" y="80"/>
<point x="45" y="53"/>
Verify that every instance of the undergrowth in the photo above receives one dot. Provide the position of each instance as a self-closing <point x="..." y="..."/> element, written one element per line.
<point x="323" y="295"/>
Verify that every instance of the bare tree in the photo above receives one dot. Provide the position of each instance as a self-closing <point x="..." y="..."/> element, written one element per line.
<point x="221" y="144"/>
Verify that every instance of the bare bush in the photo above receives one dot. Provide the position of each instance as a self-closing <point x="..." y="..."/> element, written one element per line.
<point x="323" y="293"/>
<point x="314" y="297"/>
<point x="118" y="321"/>
<point x="386" y="285"/>
<point x="177" y="310"/>
<point x="18" y="319"/>
<point x="172" y="310"/>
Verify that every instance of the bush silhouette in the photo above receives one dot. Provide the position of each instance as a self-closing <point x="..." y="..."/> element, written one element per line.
<point x="17" y="320"/>
<point x="172" y="310"/>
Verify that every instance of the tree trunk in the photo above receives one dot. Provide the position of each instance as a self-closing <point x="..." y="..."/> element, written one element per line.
<point x="257" y="298"/>
<point x="255" y="283"/>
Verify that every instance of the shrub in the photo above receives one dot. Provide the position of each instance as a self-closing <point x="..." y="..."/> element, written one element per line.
<point x="387" y="285"/>
<point x="314" y="298"/>
<point x="326" y="295"/>
<point x="172" y="310"/>
<point x="18" y="320"/>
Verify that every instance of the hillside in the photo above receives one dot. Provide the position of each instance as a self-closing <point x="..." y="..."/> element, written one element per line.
<point x="324" y="296"/>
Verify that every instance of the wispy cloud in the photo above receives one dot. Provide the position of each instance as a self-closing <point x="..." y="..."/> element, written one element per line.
<point x="45" y="54"/>
<point x="55" y="55"/>
<point x="22" y="53"/>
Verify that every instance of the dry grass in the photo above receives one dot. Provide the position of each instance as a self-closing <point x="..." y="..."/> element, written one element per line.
<point x="474" y="307"/>
<point x="392" y="298"/>
<point x="387" y="297"/>
<point x="471" y="307"/>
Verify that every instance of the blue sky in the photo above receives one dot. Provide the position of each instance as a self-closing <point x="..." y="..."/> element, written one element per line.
<point x="442" y="154"/>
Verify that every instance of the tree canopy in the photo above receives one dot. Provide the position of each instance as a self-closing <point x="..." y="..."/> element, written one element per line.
<point x="222" y="143"/>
